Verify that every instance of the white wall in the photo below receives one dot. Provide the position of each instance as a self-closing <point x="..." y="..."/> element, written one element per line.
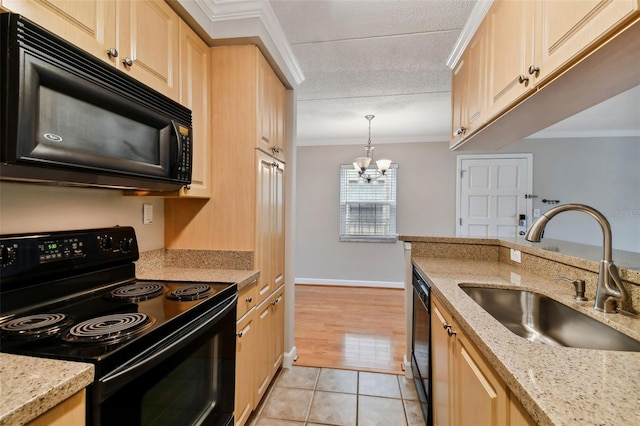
<point x="426" y="206"/>
<point x="603" y="173"/>
<point x="34" y="208"/>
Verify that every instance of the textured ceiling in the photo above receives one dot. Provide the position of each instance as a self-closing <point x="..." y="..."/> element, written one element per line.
<point x="386" y="58"/>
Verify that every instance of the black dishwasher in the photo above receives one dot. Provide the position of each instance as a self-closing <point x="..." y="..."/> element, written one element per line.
<point x="421" y="343"/>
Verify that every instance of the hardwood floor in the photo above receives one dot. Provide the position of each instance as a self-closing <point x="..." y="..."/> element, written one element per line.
<point x="353" y="328"/>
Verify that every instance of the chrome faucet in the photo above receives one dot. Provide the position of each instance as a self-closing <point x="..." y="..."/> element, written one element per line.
<point x="610" y="289"/>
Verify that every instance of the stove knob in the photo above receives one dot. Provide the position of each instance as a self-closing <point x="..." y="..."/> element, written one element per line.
<point x="7" y="255"/>
<point x="126" y="245"/>
<point x="106" y="243"/>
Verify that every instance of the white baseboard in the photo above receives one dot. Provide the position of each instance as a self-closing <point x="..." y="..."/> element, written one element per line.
<point x="349" y="283"/>
<point x="289" y="357"/>
<point x="408" y="372"/>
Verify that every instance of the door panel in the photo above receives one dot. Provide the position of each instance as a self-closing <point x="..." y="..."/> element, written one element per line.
<point x="491" y="195"/>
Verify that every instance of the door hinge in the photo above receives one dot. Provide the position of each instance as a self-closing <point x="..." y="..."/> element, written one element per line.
<point x="460" y="221"/>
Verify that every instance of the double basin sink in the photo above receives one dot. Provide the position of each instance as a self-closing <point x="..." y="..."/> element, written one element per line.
<point x="539" y="318"/>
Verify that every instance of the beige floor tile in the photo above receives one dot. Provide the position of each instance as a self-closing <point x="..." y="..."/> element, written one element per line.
<point x="333" y="408"/>
<point x="414" y="413"/>
<point x="277" y="422"/>
<point x="378" y="384"/>
<point x="298" y="377"/>
<point x="407" y="388"/>
<point x="287" y="404"/>
<point x="345" y="381"/>
<point x="375" y="411"/>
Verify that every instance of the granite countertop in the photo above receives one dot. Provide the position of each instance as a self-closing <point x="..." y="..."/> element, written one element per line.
<point x="32" y="386"/>
<point x="557" y="385"/>
<point x="173" y="273"/>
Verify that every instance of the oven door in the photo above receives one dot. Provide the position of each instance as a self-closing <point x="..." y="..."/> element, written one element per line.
<point x="190" y="380"/>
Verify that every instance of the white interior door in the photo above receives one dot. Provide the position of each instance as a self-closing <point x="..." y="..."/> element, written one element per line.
<point x="491" y="195"/>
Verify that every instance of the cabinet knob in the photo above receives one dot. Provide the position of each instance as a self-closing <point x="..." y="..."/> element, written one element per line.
<point x="534" y="70"/>
<point x="127" y="61"/>
<point x="240" y="334"/>
<point x="112" y="53"/>
<point x="249" y="299"/>
<point x="523" y="79"/>
<point x="460" y="131"/>
<point x="450" y="331"/>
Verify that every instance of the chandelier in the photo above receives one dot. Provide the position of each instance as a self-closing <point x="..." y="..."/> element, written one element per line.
<point x="366" y="173"/>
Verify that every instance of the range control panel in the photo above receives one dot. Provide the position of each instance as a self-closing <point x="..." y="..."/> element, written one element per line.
<point x="25" y="255"/>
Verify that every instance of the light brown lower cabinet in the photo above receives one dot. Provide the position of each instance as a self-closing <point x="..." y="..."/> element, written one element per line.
<point x="70" y="412"/>
<point x="466" y="389"/>
<point x="259" y="352"/>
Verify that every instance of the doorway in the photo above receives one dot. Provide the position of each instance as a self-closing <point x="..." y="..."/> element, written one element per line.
<point x="494" y="195"/>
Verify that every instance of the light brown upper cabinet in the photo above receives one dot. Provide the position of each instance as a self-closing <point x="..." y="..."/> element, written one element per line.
<point x="138" y="37"/>
<point x="195" y="66"/>
<point x="565" y="29"/>
<point x="469" y="87"/>
<point x="271" y="110"/>
<point x="89" y="24"/>
<point x="510" y="52"/>
<point x="528" y="45"/>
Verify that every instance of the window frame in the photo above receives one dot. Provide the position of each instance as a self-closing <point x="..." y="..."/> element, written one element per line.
<point x="347" y="172"/>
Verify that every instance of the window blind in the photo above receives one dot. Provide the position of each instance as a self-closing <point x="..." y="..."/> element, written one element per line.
<point x="367" y="210"/>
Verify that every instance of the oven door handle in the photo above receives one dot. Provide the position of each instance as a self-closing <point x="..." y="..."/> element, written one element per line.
<point x="144" y="362"/>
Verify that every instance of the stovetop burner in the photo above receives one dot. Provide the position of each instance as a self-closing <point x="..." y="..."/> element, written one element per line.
<point x="109" y="328"/>
<point x="190" y="292"/>
<point x="36" y="326"/>
<point x="137" y="292"/>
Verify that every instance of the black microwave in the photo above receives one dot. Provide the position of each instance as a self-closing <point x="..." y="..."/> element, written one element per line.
<point x="68" y="118"/>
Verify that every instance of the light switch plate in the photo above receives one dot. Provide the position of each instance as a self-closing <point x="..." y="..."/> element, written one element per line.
<point x="147" y="214"/>
<point x="515" y="255"/>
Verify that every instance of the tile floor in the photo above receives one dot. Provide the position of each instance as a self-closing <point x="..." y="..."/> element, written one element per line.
<point x="310" y="396"/>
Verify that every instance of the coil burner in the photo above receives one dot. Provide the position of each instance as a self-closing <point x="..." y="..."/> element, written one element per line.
<point x="109" y="329"/>
<point x="137" y="292"/>
<point x="190" y="292"/>
<point x="33" y="327"/>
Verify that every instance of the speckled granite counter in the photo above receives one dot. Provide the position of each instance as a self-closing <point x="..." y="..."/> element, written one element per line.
<point x="196" y="265"/>
<point x="31" y="386"/>
<point x="557" y="386"/>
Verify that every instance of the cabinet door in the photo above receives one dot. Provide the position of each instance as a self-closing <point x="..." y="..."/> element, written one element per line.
<point x="264" y="225"/>
<point x="277" y="330"/>
<point x="245" y="359"/>
<point x="149" y="42"/>
<point x="261" y="359"/>
<point x="194" y="94"/>
<point x="277" y="225"/>
<point x="264" y="106"/>
<point x="564" y="29"/>
<point x="458" y="86"/>
<point x="89" y="24"/>
<point x="510" y="53"/>
<point x="441" y="367"/>
<point x="475" y="93"/>
<point x="279" y="118"/>
<point x="481" y="396"/>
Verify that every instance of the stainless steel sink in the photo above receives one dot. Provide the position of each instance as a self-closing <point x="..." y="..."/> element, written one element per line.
<point x="539" y="318"/>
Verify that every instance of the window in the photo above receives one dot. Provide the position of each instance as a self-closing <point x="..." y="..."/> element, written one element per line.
<point x="367" y="210"/>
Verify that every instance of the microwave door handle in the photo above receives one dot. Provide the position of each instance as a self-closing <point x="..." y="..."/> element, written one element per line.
<point x="114" y="380"/>
<point x="179" y="149"/>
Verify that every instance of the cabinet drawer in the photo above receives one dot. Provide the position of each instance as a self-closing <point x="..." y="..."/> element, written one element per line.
<point x="247" y="299"/>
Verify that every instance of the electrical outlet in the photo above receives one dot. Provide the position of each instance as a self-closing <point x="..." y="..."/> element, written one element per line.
<point x="147" y="214"/>
<point x="536" y="212"/>
<point x="515" y="255"/>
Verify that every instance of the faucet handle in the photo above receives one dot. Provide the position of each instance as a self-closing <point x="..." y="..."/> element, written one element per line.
<point x="579" y="285"/>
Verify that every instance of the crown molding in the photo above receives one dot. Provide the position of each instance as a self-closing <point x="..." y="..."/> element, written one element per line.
<point x="470" y="27"/>
<point x="247" y="19"/>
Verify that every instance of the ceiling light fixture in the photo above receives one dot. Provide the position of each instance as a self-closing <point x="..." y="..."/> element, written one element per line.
<point x="362" y="163"/>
